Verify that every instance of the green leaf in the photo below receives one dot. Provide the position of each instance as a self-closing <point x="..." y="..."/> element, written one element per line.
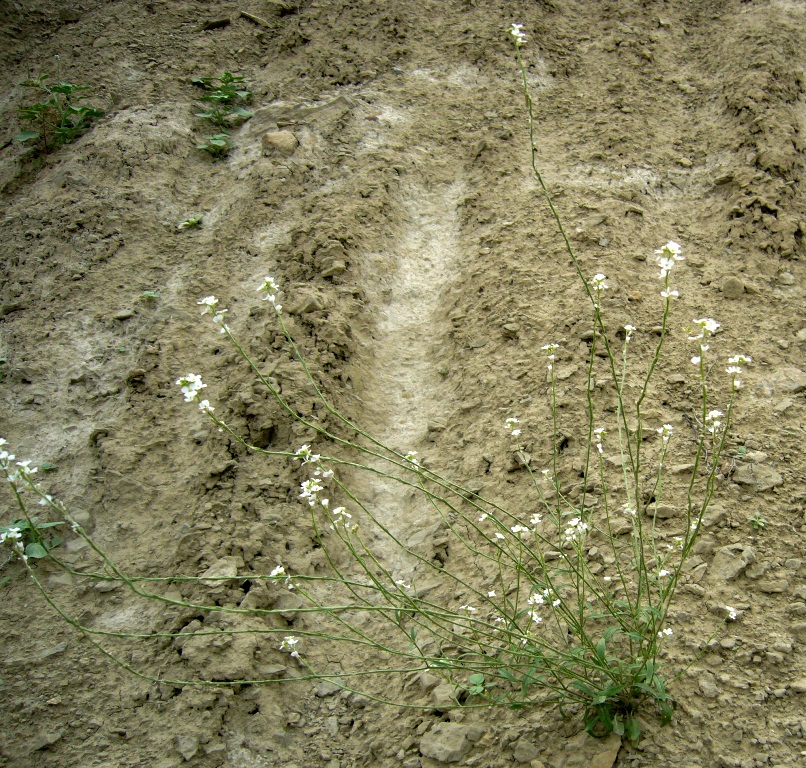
<point x="35" y="549"/>
<point x="476" y="679"/>
<point x="27" y="136"/>
<point x="632" y="728"/>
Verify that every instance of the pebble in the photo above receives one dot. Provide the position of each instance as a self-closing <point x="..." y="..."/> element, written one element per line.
<point x="525" y="751"/>
<point x="187" y="745"/>
<point x="730" y="561"/>
<point x="327" y="688"/>
<point x="757" y="477"/>
<point x="225" y="568"/>
<point x="732" y="288"/>
<point x="708" y="685"/>
<point x="786" y="278"/>
<point x="446" y="742"/>
<point x="282" y="142"/>
<point x="799" y="686"/>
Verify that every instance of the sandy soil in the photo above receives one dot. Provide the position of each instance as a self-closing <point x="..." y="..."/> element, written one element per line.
<point x="421" y="276"/>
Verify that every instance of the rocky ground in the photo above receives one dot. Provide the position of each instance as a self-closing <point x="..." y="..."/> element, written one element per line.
<point x="383" y="180"/>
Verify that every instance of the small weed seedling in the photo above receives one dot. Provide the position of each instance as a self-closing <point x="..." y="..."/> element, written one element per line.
<point x="758" y="522"/>
<point x="57" y="118"/>
<point x="191" y="222"/>
<point x="224" y="96"/>
<point x="150" y="295"/>
<point x="217" y="145"/>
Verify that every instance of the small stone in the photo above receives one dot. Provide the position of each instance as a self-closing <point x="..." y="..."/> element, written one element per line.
<point x="799" y="686"/>
<point x="306" y="304"/>
<point x="510" y="330"/>
<point x="336" y="267"/>
<point x="661" y="512"/>
<point x="788" y="381"/>
<point x="219" y="572"/>
<point x="758" y="477"/>
<point x="525" y="751"/>
<point x="327" y="688"/>
<point x="801" y="335"/>
<point x="730" y="561"/>
<point x="606" y="756"/>
<point x="446" y="742"/>
<point x="45" y="740"/>
<point x="708" y="687"/>
<point x="773" y="586"/>
<point x="282" y="142"/>
<point x="714" y="515"/>
<point x="187" y="745"/>
<point x="786" y="278"/>
<point x="732" y="288"/>
<point x="123" y="314"/>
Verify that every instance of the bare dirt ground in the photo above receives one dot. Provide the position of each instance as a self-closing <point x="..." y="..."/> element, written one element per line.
<point x="421" y="276"/>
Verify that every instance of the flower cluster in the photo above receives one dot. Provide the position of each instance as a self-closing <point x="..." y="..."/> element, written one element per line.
<point x="713" y="422"/>
<point x="209" y="305"/>
<point x="734" y="368"/>
<point x="599" y="284"/>
<point x="511" y="426"/>
<point x="289" y="645"/>
<point x="705" y="328"/>
<point x="576" y="528"/>
<point x="538" y="599"/>
<point x="279" y="573"/>
<point x="599" y="435"/>
<point x="550" y="349"/>
<point x="190" y="384"/>
<point x="629" y="330"/>
<point x="665" y="433"/>
<point x="665" y="633"/>
<point x="272" y="291"/>
<point x="667" y="257"/>
<point x="518" y="36"/>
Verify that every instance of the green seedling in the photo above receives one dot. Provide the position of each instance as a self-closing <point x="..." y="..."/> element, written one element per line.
<point x="224" y="97"/>
<point x="217" y="145"/>
<point x="758" y="522"/>
<point x="47" y="466"/>
<point x="57" y="118"/>
<point x="29" y="533"/>
<point x="191" y="222"/>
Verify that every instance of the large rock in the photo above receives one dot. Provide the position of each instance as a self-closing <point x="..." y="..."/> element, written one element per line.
<point x="730" y="561"/>
<point x="446" y="742"/>
<point x="757" y="477"/>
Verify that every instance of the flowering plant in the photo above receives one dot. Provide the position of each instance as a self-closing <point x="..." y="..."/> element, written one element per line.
<point x="574" y="608"/>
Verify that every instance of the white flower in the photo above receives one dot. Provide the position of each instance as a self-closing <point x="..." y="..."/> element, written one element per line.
<point x="696" y="359"/>
<point x="483" y="517"/>
<point x="12" y="534"/>
<point x="665" y="432"/>
<point x="630" y="329"/>
<point x="712" y="421"/>
<point x="289" y="644"/>
<point x="309" y="490"/>
<point x="740" y="360"/>
<point x="536" y="599"/>
<point x="667" y="632"/>
<point x="629" y="511"/>
<point x="666" y="265"/>
<point x="671" y="250"/>
<point x="663" y="572"/>
<point x="732" y="613"/>
<point x="598" y="282"/>
<point x="536" y="519"/>
<point x="491" y="593"/>
<point x="278" y="571"/>
<point x="402" y="583"/>
<point x="411" y="458"/>
<point x="468" y="608"/>
<point x="669" y="294"/>
<point x="517" y="34"/>
<point x="537" y="619"/>
<point x="519" y="530"/>
<point x="516" y="433"/>
<point x="706" y="325"/>
<point x="576" y="527"/>
<point x="205" y="406"/>
<point x="272" y="292"/>
<point x="208" y="304"/>
<point x="306" y="455"/>
<point x="499" y="535"/>
<point x="190" y="384"/>
<point x="550" y="348"/>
